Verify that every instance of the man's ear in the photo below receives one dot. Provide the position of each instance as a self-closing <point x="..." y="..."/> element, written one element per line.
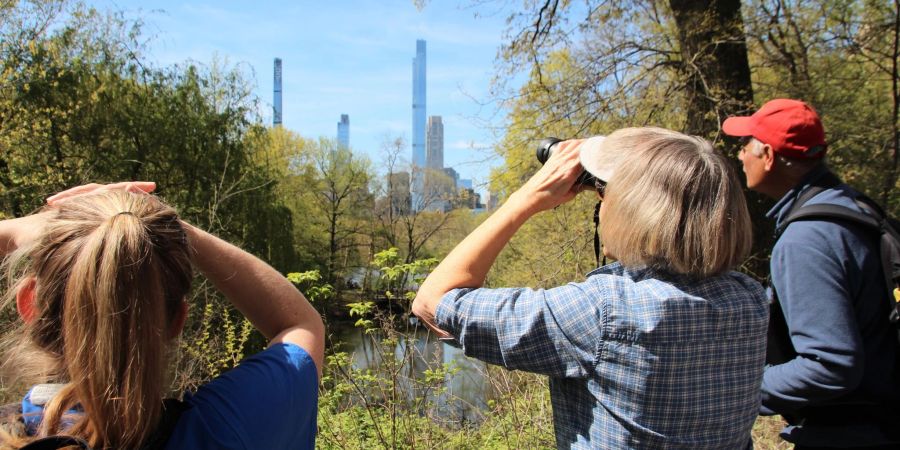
<point x="178" y="321"/>
<point x="25" y="299"/>
<point x="768" y="156"/>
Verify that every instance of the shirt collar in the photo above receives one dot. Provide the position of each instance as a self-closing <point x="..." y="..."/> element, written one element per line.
<point x="640" y="273"/>
<point x="787" y="201"/>
<point x="33" y="408"/>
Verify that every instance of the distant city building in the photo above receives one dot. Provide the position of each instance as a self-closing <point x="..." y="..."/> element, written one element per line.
<point x="343" y="131"/>
<point x="451" y="172"/>
<point x="491" y="200"/>
<point x="470" y="199"/>
<point x="465" y="183"/>
<point x="398" y="189"/>
<point x="276" y="102"/>
<point x="440" y="187"/>
<point x="418" y="122"/>
<point x="434" y="148"/>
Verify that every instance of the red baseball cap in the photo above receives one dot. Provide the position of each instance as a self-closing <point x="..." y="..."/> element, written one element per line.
<point x="791" y="127"/>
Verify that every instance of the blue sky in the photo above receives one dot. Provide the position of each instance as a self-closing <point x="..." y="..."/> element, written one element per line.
<point x="349" y="57"/>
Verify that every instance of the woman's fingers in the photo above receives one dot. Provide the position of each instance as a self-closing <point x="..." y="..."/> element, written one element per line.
<point x="71" y="192"/>
<point x="138" y="187"/>
<point x="554" y="183"/>
<point x="564" y="164"/>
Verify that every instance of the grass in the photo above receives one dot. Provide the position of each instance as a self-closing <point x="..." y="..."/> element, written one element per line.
<point x="765" y="434"/>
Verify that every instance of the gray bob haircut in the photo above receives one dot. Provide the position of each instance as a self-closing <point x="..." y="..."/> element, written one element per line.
<point x="674" y="204"/>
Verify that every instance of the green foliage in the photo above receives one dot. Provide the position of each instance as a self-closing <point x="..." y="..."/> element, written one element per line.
<point x="400" y="398"/>
<point x="386" y="257"/>
<point x="396" y="274"/>
<point x="363" y="408"/>
<point x="310" y="284"/>
<point x="340" y="200"/>
<point x="219" y="344"/>
<point x="362" y="309"/>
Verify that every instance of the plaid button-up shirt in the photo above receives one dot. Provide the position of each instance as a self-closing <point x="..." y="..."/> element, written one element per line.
<point x="635" y="359"/>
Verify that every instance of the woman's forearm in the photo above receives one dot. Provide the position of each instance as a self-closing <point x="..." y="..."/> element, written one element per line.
<point x="269" y="301"/>
<point x="21" y="231"/>
<point x="468" y="263"/>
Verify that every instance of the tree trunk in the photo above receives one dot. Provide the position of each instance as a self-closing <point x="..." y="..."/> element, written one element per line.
<point x="891" y="177"/>
<point x="332" y="249"/>
<point x="714" y="62"/>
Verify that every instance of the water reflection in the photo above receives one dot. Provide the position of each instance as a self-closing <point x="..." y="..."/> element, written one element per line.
<point x="420" y="353"/>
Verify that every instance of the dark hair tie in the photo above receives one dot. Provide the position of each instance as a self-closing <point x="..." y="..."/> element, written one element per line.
<point x="126" y="213"/>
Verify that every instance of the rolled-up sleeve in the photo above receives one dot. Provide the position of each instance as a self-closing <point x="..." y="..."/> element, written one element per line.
<point x="552" y="332"/>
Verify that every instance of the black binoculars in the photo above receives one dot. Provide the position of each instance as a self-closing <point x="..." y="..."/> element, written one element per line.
<point x="545" y="149"/>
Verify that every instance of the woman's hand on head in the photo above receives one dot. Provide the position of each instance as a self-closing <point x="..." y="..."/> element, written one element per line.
<point x="138" y="187"/>
<point x="554" y="183"/>
<point x="20" y="232"/>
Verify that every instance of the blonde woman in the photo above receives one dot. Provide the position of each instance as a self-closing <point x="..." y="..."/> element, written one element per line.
<point x="100" y="281"/>
<point x="663" y="348"/>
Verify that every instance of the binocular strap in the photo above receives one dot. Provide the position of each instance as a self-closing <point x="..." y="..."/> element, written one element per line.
<point x="597" y="236"/>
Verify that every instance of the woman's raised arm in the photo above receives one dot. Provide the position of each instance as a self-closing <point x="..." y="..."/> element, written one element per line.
<point x="269" y="301"/>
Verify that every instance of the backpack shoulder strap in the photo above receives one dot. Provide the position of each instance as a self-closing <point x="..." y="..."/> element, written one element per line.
<point x="828" y="211"/>
<point x="823" y="183"/>
<point x="172" y="410"/>
<point x="57" y="442"/>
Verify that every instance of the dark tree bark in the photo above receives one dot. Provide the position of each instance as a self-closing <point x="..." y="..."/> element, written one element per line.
<point x="891" y="178"/>
<point x="714" y="62"/>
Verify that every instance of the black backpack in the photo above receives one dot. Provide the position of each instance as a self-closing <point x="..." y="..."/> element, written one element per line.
<point x="885" y="228"/>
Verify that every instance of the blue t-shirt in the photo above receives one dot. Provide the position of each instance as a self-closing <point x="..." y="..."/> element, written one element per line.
<point x="268" y="401"/>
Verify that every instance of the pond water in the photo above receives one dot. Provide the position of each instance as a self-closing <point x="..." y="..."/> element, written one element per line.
<point x="467" y="389"/>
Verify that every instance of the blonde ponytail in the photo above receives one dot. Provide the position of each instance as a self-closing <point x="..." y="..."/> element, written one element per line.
<point x="112" y="270"/>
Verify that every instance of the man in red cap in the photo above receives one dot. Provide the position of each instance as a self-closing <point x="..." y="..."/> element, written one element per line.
<point x="833" y="354"/>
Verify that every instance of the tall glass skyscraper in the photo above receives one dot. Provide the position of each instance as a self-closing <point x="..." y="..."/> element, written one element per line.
<point x="343" y="131"/>
<point x="418" y="125"/>
<point x="418" y="111"/>
<point x="276" y="107"/>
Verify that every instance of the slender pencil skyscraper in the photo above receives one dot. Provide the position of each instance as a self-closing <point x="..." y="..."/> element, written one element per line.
<point x="418" y="123"/>
<point x="343" y="131"/>
<point x="276" y="113"/>
<point x="418" y="137"/>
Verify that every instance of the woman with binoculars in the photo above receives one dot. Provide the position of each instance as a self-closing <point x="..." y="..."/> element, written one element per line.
<point x="663" y="348"/>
